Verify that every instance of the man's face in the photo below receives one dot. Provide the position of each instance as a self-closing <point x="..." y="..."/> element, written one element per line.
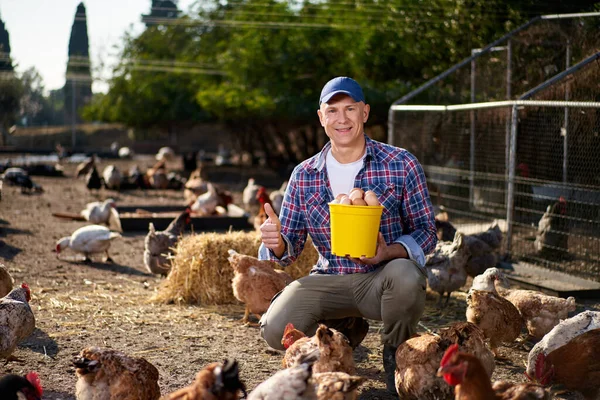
<point x="344" y="120"/>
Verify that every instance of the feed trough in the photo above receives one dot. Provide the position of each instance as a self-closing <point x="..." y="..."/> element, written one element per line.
<point x="137" y="218"/>
<point x="529" y="276"/>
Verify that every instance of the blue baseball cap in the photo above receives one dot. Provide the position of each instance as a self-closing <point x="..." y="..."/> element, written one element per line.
<point x="341" y="84"/>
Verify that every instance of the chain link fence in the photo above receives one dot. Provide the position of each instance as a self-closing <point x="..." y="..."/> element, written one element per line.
<point x="465" y="148"/>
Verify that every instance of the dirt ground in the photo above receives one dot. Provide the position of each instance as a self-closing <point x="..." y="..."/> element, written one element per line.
<point x="78" y="305"/>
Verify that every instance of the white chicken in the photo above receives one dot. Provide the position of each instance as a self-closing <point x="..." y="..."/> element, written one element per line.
<point x="102" y="213"/>
<point x="207" y="203"/>
<point x="276" y="197"/>
<point x="112" y="177"/>
<point x="165" y="153"/>
<point x="88" y="240"/>
<point x="16" y="320"/>
<point x="249" y="198"/>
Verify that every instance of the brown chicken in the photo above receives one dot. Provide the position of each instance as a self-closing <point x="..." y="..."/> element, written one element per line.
<point x="158" y="245"/>
<point x="335" y="350"/>
<point x="255" y="282"/>
<point x="336" y="385"/>
<point x="261" y="217"/>
<point x="290" y="384"/>
<point x="418" y="358"/>
<point x="540" y="311"/>
<point x="568" y="355"/>
<point x="6" y="281"/>
<point x="216" y="381"/>
<point x="104" y="374"/>
<point x="156" y="177"/>
<point x="497" y="317"/>
<point x="16" y="320"/>
<point x="465" y="372"/>
<point x="85" y="167"/>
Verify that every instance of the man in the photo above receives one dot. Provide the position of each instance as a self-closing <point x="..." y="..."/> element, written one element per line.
<point x="389" y="286"/>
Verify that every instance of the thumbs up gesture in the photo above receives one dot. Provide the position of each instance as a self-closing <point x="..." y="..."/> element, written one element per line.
<point x="271" y="232"/>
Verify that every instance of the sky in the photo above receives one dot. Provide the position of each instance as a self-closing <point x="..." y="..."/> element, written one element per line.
<point x="40" y="30"/>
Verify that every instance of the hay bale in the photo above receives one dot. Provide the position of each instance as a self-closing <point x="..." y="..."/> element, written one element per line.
<point x="201" y="274"/>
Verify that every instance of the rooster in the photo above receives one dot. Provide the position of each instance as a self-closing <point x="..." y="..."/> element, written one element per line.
<point x="261" y="217"/>
<point x="216" y="381"/>
<point x="568" y="355"/>
<point x="255" y="282"/>
<point x="464" y="372"/>
<point x="16" y="387"/>
<point x="104" y="374"/>
<point x="552" y="235"/>
<point x="334" y="347"/>
<point x="446" y="267"/>
<point x="158" y="244"/>
<point x="16" y="320"/>
<point x="6" y="281"/>
<point x="419" y="357"/>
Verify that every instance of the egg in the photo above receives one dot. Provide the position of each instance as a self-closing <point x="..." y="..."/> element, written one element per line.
<point x="371" y="198"/>
<point x="339" y="196"/>
<point x="358" y="202"/>
<point x="335" y="201"/>
<point x="356" y="193"/>
<point x="346" y="200"/>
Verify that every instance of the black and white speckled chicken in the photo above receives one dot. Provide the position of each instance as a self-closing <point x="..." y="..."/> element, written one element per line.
<point x="104" y="374"/>
<point x="16" y="320"/>
<point x="159" y="244"/>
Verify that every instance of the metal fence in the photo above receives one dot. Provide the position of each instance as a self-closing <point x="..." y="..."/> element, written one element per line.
<point x="515" y="160"/>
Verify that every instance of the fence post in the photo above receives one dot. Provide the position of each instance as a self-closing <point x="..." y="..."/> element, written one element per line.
<point x="390" y="133"/>
<point x="511" y="179"/>
<point x="565" y="130"/>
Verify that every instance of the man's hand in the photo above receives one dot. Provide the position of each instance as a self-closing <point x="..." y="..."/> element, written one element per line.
<point x="271" y="232"/>
<point x="383" y="253"/>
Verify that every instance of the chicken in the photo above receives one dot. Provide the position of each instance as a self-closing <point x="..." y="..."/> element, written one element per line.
<point x="85" y="167"/>
<point x="88" y="240"/>
<point x="249" y="199"/>
<point x="156" y="177"/>
<point x="335" y="350"/>
<point x="112" y="177"/>
<point x="568" y="355"/>
<point x="104" y="374"/>
<point x="158" y="245"/>
<point x="497" y="317"/>
<point x="206" y="204"/>
<point x="446" y="267"/>
<point x="336" y="385"/>
<point x="102" y="213"/>
<point x="540" y="311"/>
<point x="552" y="239"/>
<point x="445" y="230"/>
<point x="484" y="247"/>
<point x="276" y="197"/>
<point x="16" y="320"/>
<point x="19" y="177"/>
<point x="16" y="387"/>
<point x="165" y="153"/>
<point x="93" y="180"/>
<point x="418" y="358"/>
<point x="261" y="217"/>
<point x="465" y="372"/>
<point x="216" y="381"/>
<point x="291" y="383"/>
<point x="255" y="282"/>
<point x="195" y="186"/>
<point x="6" y="281"/>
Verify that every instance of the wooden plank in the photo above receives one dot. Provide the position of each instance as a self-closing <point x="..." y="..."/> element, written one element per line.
<point x="529" y="276"/>
<point x="67" y="215"/>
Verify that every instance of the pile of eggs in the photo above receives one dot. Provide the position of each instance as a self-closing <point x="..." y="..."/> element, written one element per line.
<point x="357" y="197"/>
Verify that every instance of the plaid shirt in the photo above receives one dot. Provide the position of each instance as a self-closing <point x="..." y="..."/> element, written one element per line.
<point x="392" y="173"/>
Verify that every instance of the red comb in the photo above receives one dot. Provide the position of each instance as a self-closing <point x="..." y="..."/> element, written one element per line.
<point x="34" y="379"/>
<point x="453" y="349"/>
<point x="24" y="285"/>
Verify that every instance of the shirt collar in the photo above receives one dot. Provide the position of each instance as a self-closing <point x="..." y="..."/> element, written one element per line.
<point x="318" y="162"/>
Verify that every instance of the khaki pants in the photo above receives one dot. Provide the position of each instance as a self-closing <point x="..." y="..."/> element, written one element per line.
<point x="394" y="294"/>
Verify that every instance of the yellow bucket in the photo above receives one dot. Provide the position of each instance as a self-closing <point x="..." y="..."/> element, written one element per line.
<point x="354" y="229"/>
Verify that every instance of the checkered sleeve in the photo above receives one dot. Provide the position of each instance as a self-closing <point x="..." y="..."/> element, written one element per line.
<point x="417" y="211"/>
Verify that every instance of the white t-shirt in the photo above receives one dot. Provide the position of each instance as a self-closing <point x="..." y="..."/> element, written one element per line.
<point x="341" y="176"/>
